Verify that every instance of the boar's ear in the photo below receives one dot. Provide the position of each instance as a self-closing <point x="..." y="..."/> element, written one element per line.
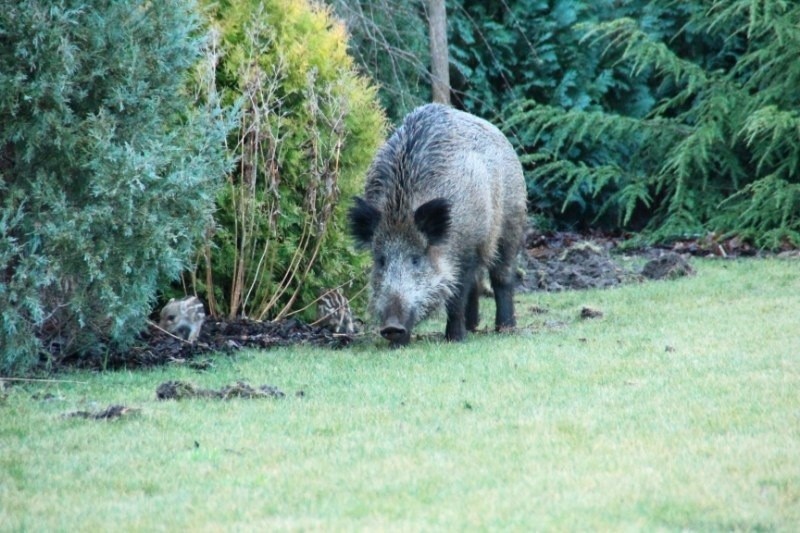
<point x="363" y="220"/>
<point x="433" y="219"/>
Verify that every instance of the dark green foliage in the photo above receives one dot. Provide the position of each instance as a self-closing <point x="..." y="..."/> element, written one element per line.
<point x="530" y="50"/>
<point x="719" y="150"/>
<point x="107" y="172"/>
<point x="309" y="128"/>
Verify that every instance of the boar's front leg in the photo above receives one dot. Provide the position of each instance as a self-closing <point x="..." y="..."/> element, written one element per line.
<point x="456" y="329"/>
<point x="462" y="307"/>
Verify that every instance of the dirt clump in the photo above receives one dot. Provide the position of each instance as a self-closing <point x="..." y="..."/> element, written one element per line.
<point x="670" y="265"/>
<point x="588" y="312"/>
<point x="181" y="390"/>
<point x="110" y="413"/>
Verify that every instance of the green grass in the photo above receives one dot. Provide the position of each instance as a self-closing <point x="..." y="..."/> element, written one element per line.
<point x="678" y="409"/>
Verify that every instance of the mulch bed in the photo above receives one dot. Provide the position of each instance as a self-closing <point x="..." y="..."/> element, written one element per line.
<point x="156" y="347"/>
<point x="581" y="265"/>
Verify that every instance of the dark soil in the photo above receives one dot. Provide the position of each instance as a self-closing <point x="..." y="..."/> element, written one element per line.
<point x="588" y="312"/>
<point x="565" y="261"/>
<point x="156" y="347"/>
<point x="564" y="265"/>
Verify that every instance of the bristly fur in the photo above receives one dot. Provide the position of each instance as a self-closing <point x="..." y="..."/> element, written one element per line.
<point x="444" y="197"/>
<point x="410" y="158"/>
<point x="183" y="317"/>
<point x="334" y="313"/>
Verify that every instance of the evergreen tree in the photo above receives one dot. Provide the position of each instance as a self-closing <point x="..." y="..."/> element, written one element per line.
<point x="108" y="170"/>
<point x="719" y="150"/>
<point x="308" y="129"/>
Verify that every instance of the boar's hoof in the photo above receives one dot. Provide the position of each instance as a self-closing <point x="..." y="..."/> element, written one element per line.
<point x="395" y="333"/>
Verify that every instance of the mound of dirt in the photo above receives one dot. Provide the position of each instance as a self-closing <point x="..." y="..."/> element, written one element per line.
<point x="567" y="261"/>
<point x="552" y="266"/>
<point x="181" y="390"/>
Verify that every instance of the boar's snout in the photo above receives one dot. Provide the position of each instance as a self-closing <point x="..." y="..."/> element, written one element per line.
<point x="395" y="332"/>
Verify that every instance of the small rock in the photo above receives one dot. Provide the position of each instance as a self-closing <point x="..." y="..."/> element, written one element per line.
<point x="669" y="266"/>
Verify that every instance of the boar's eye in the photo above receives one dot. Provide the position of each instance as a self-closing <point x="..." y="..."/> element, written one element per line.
<point x="415" y="260"/>
<point x="380" y="260"/>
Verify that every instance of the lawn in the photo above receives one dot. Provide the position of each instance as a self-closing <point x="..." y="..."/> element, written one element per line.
<point x="677" y="409"/>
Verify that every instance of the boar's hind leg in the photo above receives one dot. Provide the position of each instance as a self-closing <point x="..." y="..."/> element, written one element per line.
<point x="502" y="278"/>
<point x="462" y="307"/>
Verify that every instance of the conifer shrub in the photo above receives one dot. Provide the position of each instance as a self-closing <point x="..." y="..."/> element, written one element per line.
<point x="533" y="51"/>
<point x="309" y="128"/>
<point x="719" y="151"/>
<point x="108" y="170"/>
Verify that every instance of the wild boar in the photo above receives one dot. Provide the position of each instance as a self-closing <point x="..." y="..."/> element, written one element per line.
<point x="444" y="199"/>
<point x="334" y="313"/>
<point x="183" y="317"/>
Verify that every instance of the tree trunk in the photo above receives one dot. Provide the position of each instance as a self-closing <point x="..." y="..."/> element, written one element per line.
<point x="440" y="68"/>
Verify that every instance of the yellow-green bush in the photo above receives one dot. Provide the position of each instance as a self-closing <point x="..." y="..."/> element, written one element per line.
<point x="309" y="128"/>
